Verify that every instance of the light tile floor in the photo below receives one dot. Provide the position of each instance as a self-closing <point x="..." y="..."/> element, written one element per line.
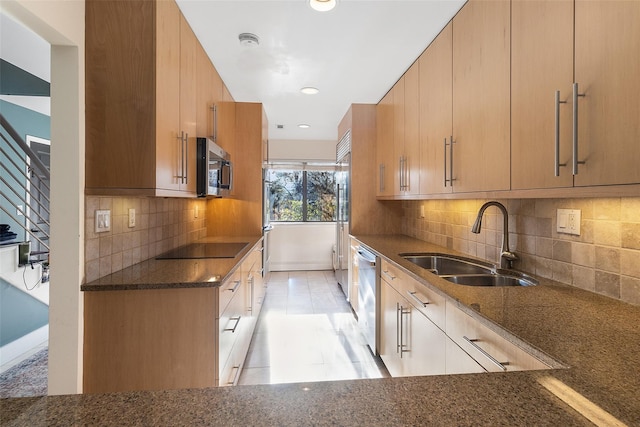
<point x="307" y="332"/>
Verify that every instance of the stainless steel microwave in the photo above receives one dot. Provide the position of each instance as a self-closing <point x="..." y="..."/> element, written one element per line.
<point x="214" y="170"/>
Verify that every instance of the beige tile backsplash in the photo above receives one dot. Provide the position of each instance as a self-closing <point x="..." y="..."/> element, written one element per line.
<point x="161" y="224"/>
<point x="605" y="258"/>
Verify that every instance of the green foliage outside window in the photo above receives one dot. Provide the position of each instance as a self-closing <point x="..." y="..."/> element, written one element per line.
<point x="301" y="196"/>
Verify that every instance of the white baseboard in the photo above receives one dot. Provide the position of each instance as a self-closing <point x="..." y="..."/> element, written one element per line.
<point x="293" y="266"/>
<point x="23" y="345"/>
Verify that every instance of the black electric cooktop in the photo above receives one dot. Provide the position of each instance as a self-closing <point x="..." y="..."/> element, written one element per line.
<point x="205" y="250"/>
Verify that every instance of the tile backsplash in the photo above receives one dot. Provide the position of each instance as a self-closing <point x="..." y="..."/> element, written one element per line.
<point x="604" y="258"/>
<point x="161" y="225"/>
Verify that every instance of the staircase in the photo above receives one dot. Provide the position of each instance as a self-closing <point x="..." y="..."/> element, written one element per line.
<point x="24" y="194"/>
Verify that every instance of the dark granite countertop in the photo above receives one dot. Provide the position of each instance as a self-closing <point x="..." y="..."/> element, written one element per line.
<point x="175" y="273"/>
<point x="595" y="336"/>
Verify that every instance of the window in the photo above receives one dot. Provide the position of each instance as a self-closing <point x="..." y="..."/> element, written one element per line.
<point x="301" y="195"/>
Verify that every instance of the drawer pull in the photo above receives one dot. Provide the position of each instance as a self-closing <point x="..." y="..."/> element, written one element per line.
<point x="235" y="377"/>
<point x="415" y="298"/>
<point x="235" y="288"/>
<point x="501" y="365"/>
<point x="389" y="275"/>
<point x="233" y="330"/>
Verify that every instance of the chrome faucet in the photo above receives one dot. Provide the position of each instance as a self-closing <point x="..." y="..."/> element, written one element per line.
<point x="506" y="256"/>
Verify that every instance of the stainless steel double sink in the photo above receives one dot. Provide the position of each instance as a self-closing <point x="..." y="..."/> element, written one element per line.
<point x="467" y="271"/>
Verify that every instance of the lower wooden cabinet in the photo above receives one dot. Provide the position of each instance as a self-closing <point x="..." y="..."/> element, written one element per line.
<point x="410" y="343"/>
<point x="162" y="339"/>
<point x="421" y="333"/>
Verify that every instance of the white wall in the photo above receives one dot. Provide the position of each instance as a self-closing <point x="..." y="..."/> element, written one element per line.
<point x="302" y="246"/>
<point x="61" y="23"/>
<point x="304" y="151"/>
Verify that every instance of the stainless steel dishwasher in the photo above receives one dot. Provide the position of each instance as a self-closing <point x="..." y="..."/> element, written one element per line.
<point x="368" y="296"/>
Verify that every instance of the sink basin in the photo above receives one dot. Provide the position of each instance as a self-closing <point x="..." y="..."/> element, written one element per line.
<point x="498" y="279"/>
<point x="466" y="271"/>
<point x="447" y="265"/>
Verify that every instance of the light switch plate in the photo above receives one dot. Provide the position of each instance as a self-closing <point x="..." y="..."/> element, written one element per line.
<point x="132" y="217"/>
<point x="568" y="221"/>
<point x="103" y="221"/>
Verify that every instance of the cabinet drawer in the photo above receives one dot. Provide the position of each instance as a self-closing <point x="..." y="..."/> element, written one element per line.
<point x="493" y="352"/>
<point x="230" y="327"/>
<point x="228" y="289"/>
<point x="428" y="302"/>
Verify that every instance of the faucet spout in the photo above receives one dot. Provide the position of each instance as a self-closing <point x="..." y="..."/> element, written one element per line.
<point x="506" y="256"/>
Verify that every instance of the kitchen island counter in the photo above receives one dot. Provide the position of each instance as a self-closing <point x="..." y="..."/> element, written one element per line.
<point x="595" y="338"/>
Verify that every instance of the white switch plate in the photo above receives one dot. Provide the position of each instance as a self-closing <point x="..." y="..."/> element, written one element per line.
<point x="568" y="221"/>
<point x="421" y="211"/>
<point x="195" y="212"/>
<point x="103" y="221"/>
<point x="132" y="217"/>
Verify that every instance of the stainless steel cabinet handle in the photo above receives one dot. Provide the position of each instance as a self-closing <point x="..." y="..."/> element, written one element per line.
<point x="402" y="348"/>
<point x="180" y="176"/>
<point x="557" y="163"/>
<point x="501" y="365"/>
<point x="401" y="175"/>
<point x="381" y="177"/>
<point x="576" y="94"/>
<point x="214" y="110"/>
<point x="389" y="275"/>
<point x="233" y="330"/>
<point x="398" y="328"/>
<point x="418" y="300"/>
<point x="234" y="377"/>
<point x="235" y="288"/>
<point x="450" y="179"/>
<point x="445" y="162"/>
<point x="186" y="158"/>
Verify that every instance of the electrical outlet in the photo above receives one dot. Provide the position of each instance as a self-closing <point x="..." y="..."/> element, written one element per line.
<point x="421" y="211"/>
<point x="195" y="212"/>
<point x="568" y="221"/>
<point x="132" y="218"/>
<point x="103" y="221"/>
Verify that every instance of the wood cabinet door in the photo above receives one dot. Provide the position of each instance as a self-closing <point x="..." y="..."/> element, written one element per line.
<point x="168" y="144"/>
<point x="607" y="66"/>
<point x="384" y="146"/>
<point x="426" y="344"/>
<point x="188" y="115"/>
<point x="541" y="64"/>
<point x="481" y="100"/>
<point x="389" y="330"/>
<point x="436" y="113"/>
<point x="398" y="136"/>
<point x="412" y="131"/>
<point x="204" y="93"/>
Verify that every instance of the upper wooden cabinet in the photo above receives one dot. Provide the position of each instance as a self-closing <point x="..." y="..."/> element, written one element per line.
<point x="541" y="64"/>
<point x="384" y="145"/>
<point x="481" y="102"/>
<point x="409" y="149"/>
<point x="209" y="92"/>
<point x="140" y="99"/>
<point x="603" y="47"/>
<point x="607" y="70"/>
<point x="436" y="120"/>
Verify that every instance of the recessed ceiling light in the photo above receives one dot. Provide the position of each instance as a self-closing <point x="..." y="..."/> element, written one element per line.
<point x="322" y="5"/>
<point x="248" y="39"/>
<point x="304" y="126"/>
<point x="309" y="90"/>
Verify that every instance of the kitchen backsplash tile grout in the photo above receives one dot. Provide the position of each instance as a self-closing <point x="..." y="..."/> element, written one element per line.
<point x="604" y="259"/>
<point x="161" y="225"/>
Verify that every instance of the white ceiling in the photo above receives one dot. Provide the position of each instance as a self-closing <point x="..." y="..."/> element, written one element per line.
<point x="353" y="54"/>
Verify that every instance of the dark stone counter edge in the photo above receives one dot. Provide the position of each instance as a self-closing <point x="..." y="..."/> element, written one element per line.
<point x="100" y="285"/>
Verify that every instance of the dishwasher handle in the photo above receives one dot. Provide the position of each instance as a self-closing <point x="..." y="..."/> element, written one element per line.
<point x="367" y="257"/>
